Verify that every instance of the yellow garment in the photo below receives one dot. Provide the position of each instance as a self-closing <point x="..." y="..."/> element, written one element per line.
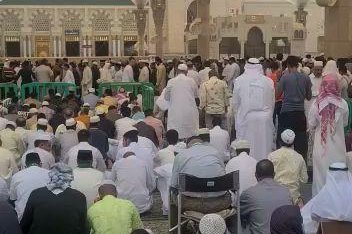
<point x="113" y="216"/>
<point x="103" y="108"/>
<point x="84" y="119"/>
<point x="8" y="165"/>
<point x="290" y="170"/>
<point x="214" y="96"/>
<point x="110" y="101"/>
<point x="13" y="142"/>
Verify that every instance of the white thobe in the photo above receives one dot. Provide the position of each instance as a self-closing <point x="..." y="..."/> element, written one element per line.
<point x="87" y="80"/>
<point x="46" y="158"/>
<point x="3" y="123"/>
<point x="204" y="75"/>
<point x="127" y="74"/>
<point x="23" y="133"/>
<point x="98" y="160"/>
<point x="23" y="183"/>
<point x="254" y="100"/>
<point x="134" y="182"/>
<point x="87" y="181"/>
<point x="316" y="83"/>
<point x="144" y="75"/>
<point x="220" y="139"/>
<point x="116" y="75"/>
<point x="232" y="72"/>
<point x="165" y="156"/>
<point x="69" y="78"/>
<point x="34" y="135"/>
<point x="62" y="128"/>
<point x="122" y="125"/>
<point x="8" y="165"/>
<point x="335" y="144"/>
<point x="246" y="165"/>
<point x="194" y="75"/>
<point x="164" y="174"/>
<point x="67" y="140"/>
<point x="183" y="115"/>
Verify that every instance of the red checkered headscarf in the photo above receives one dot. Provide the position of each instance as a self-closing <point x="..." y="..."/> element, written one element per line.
<point x="328" y="101"/>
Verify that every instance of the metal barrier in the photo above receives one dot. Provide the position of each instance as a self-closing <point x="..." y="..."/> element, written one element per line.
<point x="8" y="90"/>
<point x="41" y="89"/>
<point x="146" y="89"/>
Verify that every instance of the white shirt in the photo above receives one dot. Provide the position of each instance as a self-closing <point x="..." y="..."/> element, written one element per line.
<point x="144" y="74"/>
<point x="122" y="125"/>
<point x="34" y="135"/>
<point x="62" y="128"/>
<point x="87" y="181"/>
<point x="220" y="139"/>
<point x="246" y="165"/>
<point x="22" y="132"/>
<point x="67" y="140"/>
<point x="46" y="158"/>
<point x="127" y="75"/>
<point x="165" y="156"/>
<point x="204" y="75"/>
<point x="4" y="191"/>
<point x="134" y="182"/>
<point x="69" y="78"/>
<point x="194" y="75"/>
<point x="98" y="160"/>
<point x="3" y="123"/>
<point x="23" y="183"/>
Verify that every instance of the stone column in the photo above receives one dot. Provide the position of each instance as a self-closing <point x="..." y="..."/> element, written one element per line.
<point x="24" y="41"/>
<point x="55" y="47"/>
<point x="118" y="47"/>
<point x="89" y="49"/>
<point x="84" y="43"/>
<point x="267" y="49"/>
<point x="141" y="18"/>
<point x="60" y="47"/>
<point x="158" y="7"/>
<point x="30" y="44"/>
<point x="114" y="46"/>
<point x="204" y="36"/>
<point x="242" y="49"/>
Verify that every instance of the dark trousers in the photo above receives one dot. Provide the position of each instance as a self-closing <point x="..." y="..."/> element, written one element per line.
<point x="297" y="122"/>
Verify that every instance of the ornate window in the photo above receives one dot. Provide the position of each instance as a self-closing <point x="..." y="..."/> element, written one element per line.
<point x="41" y="23"/>
<point x="72" y="22"/>
<point x="12" y="23"/>
<point x="101" y="23"/>
<point x="129" y="23"/>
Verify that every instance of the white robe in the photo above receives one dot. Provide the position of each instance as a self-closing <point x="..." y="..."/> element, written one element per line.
<point x="254" y="100"/>
<point x="144" y="74"/>
<point x="87" y="80"/>
<point x="335" y="145"/>
<point x="183" y="115"/>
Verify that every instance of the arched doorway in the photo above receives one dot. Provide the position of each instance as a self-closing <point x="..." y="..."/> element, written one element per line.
<point x="255" y="46"/>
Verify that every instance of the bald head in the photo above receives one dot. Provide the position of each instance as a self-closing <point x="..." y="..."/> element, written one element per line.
<point x="107" y="189"/>
<point x="68" y="113"/>
<point x="264" y="169"/>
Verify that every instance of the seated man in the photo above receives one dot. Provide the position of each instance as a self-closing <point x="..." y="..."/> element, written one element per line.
<point x="72" y="154"/>
<point x="27" y="180"/>
<point x="112" y="214"/>
<point x="68" y="138"/>
<point x="43" y="148"/>
<point x="86" y="179"/>
<point x="242" y="162"/>
<point x="97" y="137"/>
<point x="134" y="181"/>
<point x="290" y="167"/>
<point x="259" y="202"/>
<point x="220" y="138"/>
<point x="203" y="161"/>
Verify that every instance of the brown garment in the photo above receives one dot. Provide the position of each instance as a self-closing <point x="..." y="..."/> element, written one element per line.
<point x="147" y="131"/>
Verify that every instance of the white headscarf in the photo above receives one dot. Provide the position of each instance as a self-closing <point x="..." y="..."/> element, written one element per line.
<point x="105" y="74"/>
<point x="330" y="68"/>
<point x="253" y="66"/>
<point x="212" y="224"/>
<point x="333" y="202"/>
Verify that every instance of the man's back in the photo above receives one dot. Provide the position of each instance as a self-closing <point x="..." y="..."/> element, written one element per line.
<point x="114" y="216"/>
<point x="295" y="86"/>
<point x="259" y="202"/>
<point x="99" y="140"/>
<point x="92" y="99"/>
<point x="43" y="73"/>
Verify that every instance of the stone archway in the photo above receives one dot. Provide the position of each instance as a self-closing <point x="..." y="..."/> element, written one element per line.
<point x="255" y="46"/>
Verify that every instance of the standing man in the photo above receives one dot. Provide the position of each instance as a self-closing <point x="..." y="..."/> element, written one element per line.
<point x="43" y="73"/>
<point x="233" y="71"/>
<point x="182" y="93"/>
<point x="254" y="100"/>
<point x="296" y="88"/>
<point x="160" y="75"/>
<point x="214" y="98"/>
<point x="128" y="75"/>
<point x="144" y="73"/>
<point x="87" y="78"/>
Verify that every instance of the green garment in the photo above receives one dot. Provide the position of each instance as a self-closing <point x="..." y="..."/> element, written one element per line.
<point x="349" y="126"/>
<point x="113" y="216"/>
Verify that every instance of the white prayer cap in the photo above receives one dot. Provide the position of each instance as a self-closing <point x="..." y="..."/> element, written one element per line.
<point x="203" y="131"/>
<point x="99" y="111"/>
<point x="321" y="54"/>
<point x="226" y="58"/>
<point x="11" y="123"/>
<point x="143" y="61"/>
<point x="58" y="94"/>
<point x="70" y="122"/>
<point x="338" y="166"/>
<point x="305" y="60"/>
<point x="288" y="136"/>
<point x="318" y="64"/>
<point x="85" y="61"/>
<point x="130" y="128"/>
<point x="43" y="137"/>
<point x="86" y="104"/>
<point x="110" y="182"/>
<point x="169" y="61"/>
<point x="42" y="122"/>
<point x="95" y="63"/>
<point x="33" y="110"/>
<point x="240" y="144"/>
<point x="182" y="67"/>
<point x="253" y="61"/>
<point x="94" y="119"/>
<point x="261" y="59"/>
<point x="212" y="224"/>
<point x="305" y="70"/>
<point x="91" y="90"/>
<point x="45" y="103"/>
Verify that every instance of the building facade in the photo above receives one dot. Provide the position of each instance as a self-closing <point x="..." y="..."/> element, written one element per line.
<point x="33" y="30"/>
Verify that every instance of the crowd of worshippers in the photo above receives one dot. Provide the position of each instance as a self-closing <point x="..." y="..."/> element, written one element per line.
<point x="71" y="164"/>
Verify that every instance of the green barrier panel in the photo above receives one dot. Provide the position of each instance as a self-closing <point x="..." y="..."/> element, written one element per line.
<point x="8" y="90"/>
<point x="41" y="89"/>
<point x="146" y="89"/>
